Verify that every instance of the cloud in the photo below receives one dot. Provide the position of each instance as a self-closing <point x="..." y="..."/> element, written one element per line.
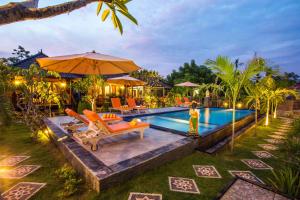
<point x="170" y="33"/>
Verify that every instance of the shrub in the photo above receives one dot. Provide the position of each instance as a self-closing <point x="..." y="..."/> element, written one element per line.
<point x="71" y="180"/>
<point x="287" y="180"/>
<point x="83" y="105"/>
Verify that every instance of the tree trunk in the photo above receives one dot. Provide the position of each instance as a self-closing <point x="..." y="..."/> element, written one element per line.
<point x="267" y="113"/>
<point x="233" y="125"/>
<point x="275" y="111"/>
<point x="94" y="105"/>
<point x="256" y="115"/>
<point x="15" y="12"/>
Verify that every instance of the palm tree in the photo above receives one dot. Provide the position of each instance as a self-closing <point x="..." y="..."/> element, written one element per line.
<point x="234" y="79"/>
<point x="268" y="86"/>
<point x="278" y="96"/>
<point x="254" y="92"/>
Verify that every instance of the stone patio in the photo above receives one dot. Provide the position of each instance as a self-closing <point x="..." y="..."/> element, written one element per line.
<point x="121" y="157"/>
<point x="22" y="191"/>
<point x="18" y="172"/>
<point x="12" y="161"/>
<point x="144" y="196"/>
<point x="206" y="171"/>
<point x="262" y="154"/>
<point x="248" y="175"/>
<point x="244" y="190"/>
<point x="268" y="147"/>
<point x="256" y="164"/>
<point x="185" y="185"/>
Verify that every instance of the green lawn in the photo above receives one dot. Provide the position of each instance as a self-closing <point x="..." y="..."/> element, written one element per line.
<point x="15" y="140"/>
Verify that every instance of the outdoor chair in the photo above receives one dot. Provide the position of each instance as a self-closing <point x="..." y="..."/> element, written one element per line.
<point x="103" y="130"/>
<point x="132" y="104"/>
<point x="180" y="103"/>
<point x="116" y="105"/>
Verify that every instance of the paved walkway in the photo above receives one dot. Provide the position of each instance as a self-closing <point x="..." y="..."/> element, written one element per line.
<point x="10" y="170"/>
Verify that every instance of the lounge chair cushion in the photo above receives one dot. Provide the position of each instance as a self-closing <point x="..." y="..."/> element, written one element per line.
<point x="114" y="128"/>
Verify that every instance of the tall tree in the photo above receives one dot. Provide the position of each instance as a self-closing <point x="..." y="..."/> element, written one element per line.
<point x="234" y="79"/>
<point x="191" y="72"/>
<point x="28" y="10"/>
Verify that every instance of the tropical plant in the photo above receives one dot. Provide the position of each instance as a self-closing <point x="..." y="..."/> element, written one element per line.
<point x="92" y="87"/>
<point x="287" y="180"/>
<point x="234" y="79"/>
<point x="254" y="93"/>
<point x="268" y="86"/>
<point x="278" y="96"/>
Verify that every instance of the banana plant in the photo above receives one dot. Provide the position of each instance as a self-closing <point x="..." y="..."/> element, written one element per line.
<point x="114" y="8"/>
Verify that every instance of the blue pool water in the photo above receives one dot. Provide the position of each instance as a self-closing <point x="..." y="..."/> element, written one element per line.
<point x="210" y="118"/>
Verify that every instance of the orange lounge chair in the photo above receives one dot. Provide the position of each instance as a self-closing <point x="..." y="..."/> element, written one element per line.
<point x="180" y="103"/>
<point x="187" y="101"/>
<point x="73" y="126"/>
<point x="116" y="105"/>
<point x="132" y="104"/>
<point x="105" y="130"/>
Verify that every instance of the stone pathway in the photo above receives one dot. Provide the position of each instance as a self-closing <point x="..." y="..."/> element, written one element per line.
<point x="279" y="137"/>
<point x="12" y="161"/>
<point x="274" y="141"/>
<point x="206" y="171"/>
<point x="268" y="147"/>
<point x="256" y="164"/>
<point x="186" y="185"/>
<point x="19" y="172"/>
<point x="144" y="196"/>
<point x="262" y="154"/>
<point x="22" y="191"/>
<point x="246" y="175"/>
<point x="242" y="189"/>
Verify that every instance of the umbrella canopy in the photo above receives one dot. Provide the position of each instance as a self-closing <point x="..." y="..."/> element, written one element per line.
<point x="88" y="63"/>
<point x="187" y="84"/>
<point x="126" y="80"/>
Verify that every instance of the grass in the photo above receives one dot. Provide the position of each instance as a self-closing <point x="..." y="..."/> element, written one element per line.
<point x="16" y="140"/>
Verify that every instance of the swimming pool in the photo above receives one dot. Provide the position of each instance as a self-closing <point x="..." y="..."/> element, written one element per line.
<point x="210" y="119"/>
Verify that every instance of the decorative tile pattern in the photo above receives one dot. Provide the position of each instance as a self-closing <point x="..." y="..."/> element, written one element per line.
<point x="279" y="137"/>
<point x="248" y="175"/>
<point x="268" y="147"/>
<point x="185" y="185"/>
<point x="241" y="189"/>
<point x="274" y="141"/>
<point x="19" y="172"/>
<point x="22" y="191"/>
<point x="144" y="196"/>
<point x="262" y="154"/>
<point x="13" y="160"/>
<point x="206" y="171"/>
<point x="256" y="164"/>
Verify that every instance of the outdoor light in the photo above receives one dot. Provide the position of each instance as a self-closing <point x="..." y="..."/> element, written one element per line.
<point x="63" y="84"/>
<point x="239" y="105"/>
<point x="225" y="104"/>
<point x="17" y="82"/>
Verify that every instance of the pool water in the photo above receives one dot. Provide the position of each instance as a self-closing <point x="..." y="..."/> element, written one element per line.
<point x="210" y="119"/>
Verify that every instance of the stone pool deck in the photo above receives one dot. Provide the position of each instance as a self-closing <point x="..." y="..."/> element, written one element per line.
<point x="121" y="157"/>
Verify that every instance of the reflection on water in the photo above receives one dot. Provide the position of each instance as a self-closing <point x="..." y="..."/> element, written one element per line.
<point x="206" y="115"/>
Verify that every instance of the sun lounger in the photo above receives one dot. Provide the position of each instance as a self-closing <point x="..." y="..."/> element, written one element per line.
<point x="180" y="103"/>
<point x="73" y="126"/>
<point x="104" y="130"/>
<point x="116" y="105"/>
<point x="187" y="101"/>
<point x="132" y="104"/>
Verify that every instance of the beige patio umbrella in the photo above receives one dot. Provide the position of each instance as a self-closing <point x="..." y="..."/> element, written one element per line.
<point x="187" y="84"/>
<point x="88" y="63"/>
<point x="127" y="81"/>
